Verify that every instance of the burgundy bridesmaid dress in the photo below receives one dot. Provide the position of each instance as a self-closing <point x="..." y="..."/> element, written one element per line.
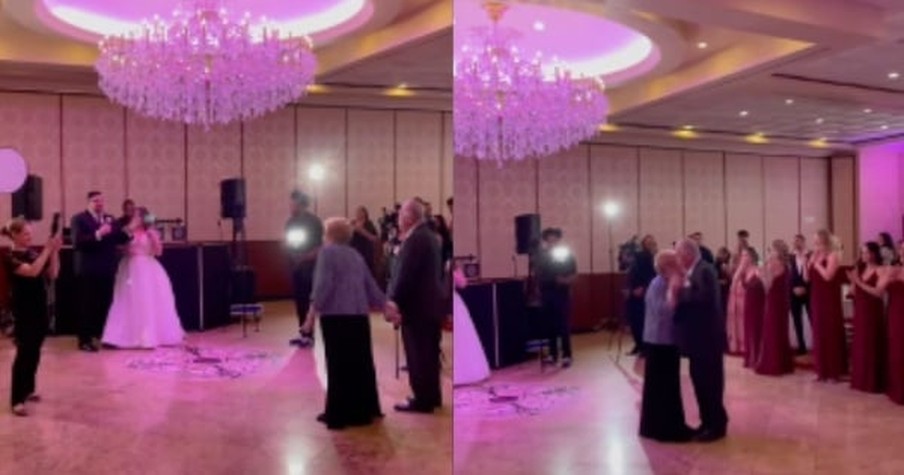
<point x="776" y="357"/>
<point x="868" y="346"/>
<point x="754" y="309"/>
<point x="895" y="386"/>
<point x="829" y="341"/>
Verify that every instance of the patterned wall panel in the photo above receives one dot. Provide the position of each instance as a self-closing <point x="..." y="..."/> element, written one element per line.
<point x="448" y="186"/>
<point x="564" y="194"/>
<point x="419" y="157"/>
<point x="321" y="141"/>
<point x="371" y="167"/>
<point x="661" y="195"/>
<point x="31" y="125"/>
<point x="814" y="195"/>
<point x="464" y="222"/>
<point x="613" y="177"/>
<point x="844" y="206"/>
<point x="744" y="198"/>
<point x="782" y="199"/>
<point x="704" y="196"/>
<point x="504" y="193"/>
<point x="269" y="170"/>
<point x="93" y="152"/>
<point x="155" y="165"/>
<point x="213" y="156"/>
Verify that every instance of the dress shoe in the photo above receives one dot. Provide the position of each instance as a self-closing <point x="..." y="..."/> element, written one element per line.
<point x="34" y="398"/>
<point x="566" y="362"/>
<point x="710" y="435"/>
<point x="19" y="410"/>
<point x="87" y="347"/>
<point x="412" y="406"/>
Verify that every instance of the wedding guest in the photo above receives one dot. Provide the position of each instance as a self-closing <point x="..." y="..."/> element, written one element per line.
<point x="737" y="340"/>
<point x="555" y="272"/>
<point x="743" y="242"/>
<point x="894" y="284"/>
<point x="829" y="344"/>
<point x="304" y="236"/>
<point x="868" y="346"/>
<point x="445" y="236"/>
<point x="344" y="292"/>
<point x="700" y="333"/>
<point x="28" y="272"/>
<point x="887" y="249"/>
<point x="723" y="271"/>
<point x="96" y="238"/>
<point x="661" y="408"/>
<point x="128" y="212"/>
<point x="640" y="275"/>
<point x="416" y="294"/>
<point x="366" y="238"/>
<point x="705" y="253"/>
<point x="775" y="357"/>
<point x="800" y="290"/>
<point x="754" y="304"/>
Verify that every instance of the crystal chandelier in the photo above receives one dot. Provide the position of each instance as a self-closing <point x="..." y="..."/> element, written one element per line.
<point x="508" y="108"/>
<point x="205" y="66"/>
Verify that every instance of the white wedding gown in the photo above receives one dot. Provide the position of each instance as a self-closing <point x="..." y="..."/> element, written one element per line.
<point x="143" y="314"/>
<point x="470" y="359"/>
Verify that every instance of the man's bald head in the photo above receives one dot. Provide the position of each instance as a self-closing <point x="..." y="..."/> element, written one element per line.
<point x="411" y="214"/>
<point x="688" y="251"/>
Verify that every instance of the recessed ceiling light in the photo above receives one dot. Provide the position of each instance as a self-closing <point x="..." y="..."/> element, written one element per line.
<point x="884" y="127"/>
<point x="702" y="45"/>
<point x="688" y="127"/>
<point x="867" y="111"/>
<point x="744" y="113"/>
<point x="403" y="85"/>
<point x="893" y="75"/>
<point x="539" y="26"/>
<point x="820" y="120"/>
<point x="789" y="101"/>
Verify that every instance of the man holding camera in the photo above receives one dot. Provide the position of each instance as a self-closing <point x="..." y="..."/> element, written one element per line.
<point x="304" y="236"/>
<point x="555" y="271"/>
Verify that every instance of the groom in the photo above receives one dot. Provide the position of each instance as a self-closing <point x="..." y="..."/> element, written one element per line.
<point x="700" y="331"/>
<point x="95" y="236"/>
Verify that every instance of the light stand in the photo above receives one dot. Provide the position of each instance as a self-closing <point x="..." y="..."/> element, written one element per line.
<point x="316" y="174"/>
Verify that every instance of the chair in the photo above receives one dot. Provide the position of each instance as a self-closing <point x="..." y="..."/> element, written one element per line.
<point x="246" y="311"/>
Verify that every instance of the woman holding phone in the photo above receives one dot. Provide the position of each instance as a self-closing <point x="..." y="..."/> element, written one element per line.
<point x="29" y="272"/>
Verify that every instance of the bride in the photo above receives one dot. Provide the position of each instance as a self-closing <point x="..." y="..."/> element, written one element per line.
<point x="143" y="314"/>
<point x="470" y="363"/>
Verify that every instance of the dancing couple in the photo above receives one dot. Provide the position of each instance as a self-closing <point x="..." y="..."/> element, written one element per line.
<point x="683" y="317"/>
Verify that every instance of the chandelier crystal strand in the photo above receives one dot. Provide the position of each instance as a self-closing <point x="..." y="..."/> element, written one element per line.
<point x="507" y="108"/>
<point x="205" y="66"/>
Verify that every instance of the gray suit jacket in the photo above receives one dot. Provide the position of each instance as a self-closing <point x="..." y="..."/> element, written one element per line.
<point x="699" y="323"/>
<point x="416" y="284"/>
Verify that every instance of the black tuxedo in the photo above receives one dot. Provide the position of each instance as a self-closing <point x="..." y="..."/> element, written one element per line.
<point x="799" y="302"/>
<point x="700" y="332"/>
<point x="95" y="270"/>
<point x="416" y="287"/>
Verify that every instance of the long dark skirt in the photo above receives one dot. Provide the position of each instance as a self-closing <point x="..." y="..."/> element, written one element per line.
<point x="351" y="392"/>
<point x="661" y="411"/>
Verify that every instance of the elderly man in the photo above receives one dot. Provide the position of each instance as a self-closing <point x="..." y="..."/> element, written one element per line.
<point x="416" y="300"/>
<point x="700" y="332"/>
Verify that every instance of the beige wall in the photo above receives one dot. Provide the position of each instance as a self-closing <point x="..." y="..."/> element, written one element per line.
<point x="668" y="192"/>
<point x="373" y="157"/>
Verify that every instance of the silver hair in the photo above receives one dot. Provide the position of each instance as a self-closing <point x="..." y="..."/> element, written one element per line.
<point x="415" y="209"/>
<point x="688" y="246"/>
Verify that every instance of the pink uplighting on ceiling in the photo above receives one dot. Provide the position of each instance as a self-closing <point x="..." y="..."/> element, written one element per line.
<point x="92" y="19"/>
<point x="589" y="44"/>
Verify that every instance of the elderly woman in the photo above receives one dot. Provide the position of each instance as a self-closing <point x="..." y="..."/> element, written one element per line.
<point x="344" y="293"/>
<point x="662" y="412"/>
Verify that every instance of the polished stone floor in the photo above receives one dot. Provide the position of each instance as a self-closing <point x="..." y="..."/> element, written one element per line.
<point x="583" y="420"/>
<point x="137" y="412"/>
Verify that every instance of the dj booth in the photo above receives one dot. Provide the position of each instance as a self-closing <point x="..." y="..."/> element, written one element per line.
<point x="200" y="274"/>
<point x="504" y="321"/>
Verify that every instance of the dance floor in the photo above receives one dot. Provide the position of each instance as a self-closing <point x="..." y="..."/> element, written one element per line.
<point x="584" y="420"/>
<point x="225" y="405"/>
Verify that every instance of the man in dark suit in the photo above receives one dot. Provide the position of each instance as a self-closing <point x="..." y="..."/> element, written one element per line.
<point x="555" y="272"/>
<point x="800" y="290"/>
<point x="700" y="332"/>
<point x="416" y="295"/>
<point x="304" y="237"/>
<point x="705" y="253"/>
<point x="641" y="273"/>
<point x="95" y="236"/>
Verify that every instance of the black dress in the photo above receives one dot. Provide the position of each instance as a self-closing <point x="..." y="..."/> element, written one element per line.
<point x="29" y="305"/>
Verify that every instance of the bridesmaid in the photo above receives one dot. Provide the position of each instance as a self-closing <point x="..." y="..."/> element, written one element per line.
<point x="894" y="280"/>
<point x="867" y="349"/>
<point x="754" y="304"/>
<point x="735" y="313"/>
<point x="829" y="343"/>
<point x="776" y="357"/>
